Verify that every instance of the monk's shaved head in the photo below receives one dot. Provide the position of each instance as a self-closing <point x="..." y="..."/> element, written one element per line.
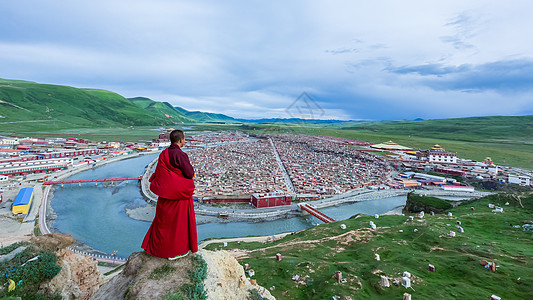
<point x="176" y="136"/>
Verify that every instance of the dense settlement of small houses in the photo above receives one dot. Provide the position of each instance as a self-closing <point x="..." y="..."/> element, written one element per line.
<point x="314" y="167"/>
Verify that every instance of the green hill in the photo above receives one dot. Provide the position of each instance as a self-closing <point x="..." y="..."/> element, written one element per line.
<point x="317" y="253"/>
<point x="210" y="117"/>
<point x="179" y="113"/>
<point x="30" y="106"/>
<point x="162" y="109"/>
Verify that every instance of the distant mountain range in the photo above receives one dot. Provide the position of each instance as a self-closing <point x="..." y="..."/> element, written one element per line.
<point x="67" y="107"/>
<point x="290" y="120"/>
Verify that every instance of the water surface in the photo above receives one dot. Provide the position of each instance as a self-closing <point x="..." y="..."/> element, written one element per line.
<point x="95" y="215"/>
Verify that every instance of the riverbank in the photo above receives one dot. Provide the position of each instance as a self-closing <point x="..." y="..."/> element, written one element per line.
<point x="16" y="229"/>
<point x="96" y="216"/>
<point x="208" y="214"/>
<point x="49" y="211"/>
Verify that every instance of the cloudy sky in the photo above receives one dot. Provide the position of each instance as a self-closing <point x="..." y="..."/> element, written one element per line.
<point x="377" y="60"/>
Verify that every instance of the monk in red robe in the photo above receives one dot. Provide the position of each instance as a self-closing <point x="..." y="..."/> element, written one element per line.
<point x="173" y="231"/>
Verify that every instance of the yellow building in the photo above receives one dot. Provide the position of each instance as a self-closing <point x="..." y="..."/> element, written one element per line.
<point x="390" y="145"/>
<point x="22" y="202"/>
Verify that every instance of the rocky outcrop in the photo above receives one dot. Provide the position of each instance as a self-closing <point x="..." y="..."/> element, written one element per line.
<point x="53" y="241"/>
<point x="79" y="277"/>
<point x="148" y="277"/>
<point x="226" y="278"/>
<point x="140" y="278"/>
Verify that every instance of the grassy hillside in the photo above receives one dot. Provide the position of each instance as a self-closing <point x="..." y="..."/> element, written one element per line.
<point x="210" y="117"/>
<point x="32" y="107"/>
<point x="179" y="113"/>
<point x="498" y="129"/>
<point x="162" y="109"/>
<point x="315" y="254"/>
<point x="28" y="104"/>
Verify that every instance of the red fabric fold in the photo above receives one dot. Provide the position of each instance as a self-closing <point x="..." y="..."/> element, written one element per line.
<point x="173" y="230"/>
<point x="168" y="182"/>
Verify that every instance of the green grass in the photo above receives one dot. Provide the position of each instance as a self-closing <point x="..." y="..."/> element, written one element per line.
<point x="459" y="275"/>
<point x="114" y="270"/>
<point x="427" y="201"/>
<point x="194" y="290"/>
<point x="162" y="272"/>
<point x="30" y="276"/>
<point x="30" y="106"/>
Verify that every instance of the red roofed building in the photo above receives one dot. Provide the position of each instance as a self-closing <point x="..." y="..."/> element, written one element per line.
<point x="273" y="199"/>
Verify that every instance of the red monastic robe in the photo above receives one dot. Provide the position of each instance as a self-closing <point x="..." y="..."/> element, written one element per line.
<point x="173" y="230"/>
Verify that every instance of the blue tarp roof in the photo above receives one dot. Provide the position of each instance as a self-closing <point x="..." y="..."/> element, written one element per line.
<point x="24" y="196"/>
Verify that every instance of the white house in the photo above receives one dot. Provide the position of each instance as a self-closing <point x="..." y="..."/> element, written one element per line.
<point x="437" y="154"/>
<point x="8" y="141"/>
<point x="519" y="179"/>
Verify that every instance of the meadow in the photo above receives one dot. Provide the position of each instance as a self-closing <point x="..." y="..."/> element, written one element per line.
<point x="316" y="254"/>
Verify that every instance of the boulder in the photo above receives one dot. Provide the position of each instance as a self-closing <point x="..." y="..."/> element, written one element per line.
<point x="79" y="277"/>
<point x="53" y="241"/>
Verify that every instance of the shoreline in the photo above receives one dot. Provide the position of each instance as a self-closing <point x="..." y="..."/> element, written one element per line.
<point x="47" y="214"/>
<point x="206" y="215"/>
<point x="395" y="211"/>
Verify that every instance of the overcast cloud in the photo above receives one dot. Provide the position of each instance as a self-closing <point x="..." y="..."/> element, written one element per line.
<point x="251" y="59"/>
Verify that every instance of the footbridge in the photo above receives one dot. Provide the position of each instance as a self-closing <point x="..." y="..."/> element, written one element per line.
<point x="92" y="180"/>
<point x="313" y="211"/>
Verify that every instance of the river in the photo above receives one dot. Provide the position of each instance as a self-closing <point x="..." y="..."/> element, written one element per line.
<point x="95" y="215"/>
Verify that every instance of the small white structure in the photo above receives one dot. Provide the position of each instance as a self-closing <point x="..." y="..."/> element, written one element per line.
<point x="450" y="214"/>
<point x="498" y="209"/>
<point x="296" y="277"/>
<point x="343" y="226"/>
<point x="519" y="179"/>
<point x="406" y="282"/>
<point x="452" y="233"/>
<point x="458" y="188"/>
<point x="376" y="256"/>
<point x="384" y="281"/>
<point x="376" y="216"/>
<point x="372" y="225"/>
